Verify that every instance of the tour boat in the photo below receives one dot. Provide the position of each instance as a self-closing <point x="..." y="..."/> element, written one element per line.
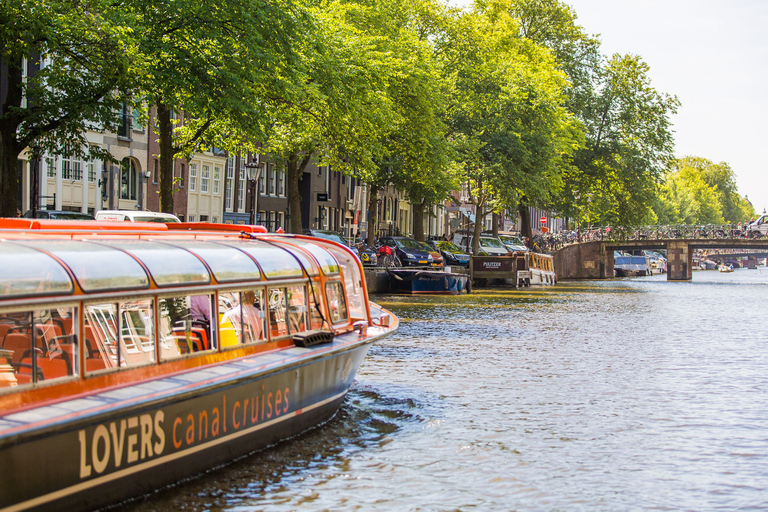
<point x="134" y="355"/>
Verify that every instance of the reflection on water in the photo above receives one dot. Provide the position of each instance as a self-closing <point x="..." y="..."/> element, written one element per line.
<point x="614" y="395"/>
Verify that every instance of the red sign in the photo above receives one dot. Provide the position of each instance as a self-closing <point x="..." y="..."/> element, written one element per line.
<point x="357" y="217"/>
<point x="543" y="220"/>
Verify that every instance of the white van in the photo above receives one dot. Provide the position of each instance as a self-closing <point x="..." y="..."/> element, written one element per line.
<point x="489" y="245"/>
<point x="136" y="216"/>
<point x="758" y="226"/>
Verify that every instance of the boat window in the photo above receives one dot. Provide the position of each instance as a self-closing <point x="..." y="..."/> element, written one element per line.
<point x="274" y="261"/>
<point x="185" y="325"/>
<point x="277" y="308"/>
<point x="135" y="344"/>
<point x="241" y="316"/>
<point x="39" y="345"/>
<point x="353" y="282"/>
<point x="328" y="263"/>
<point x="96" y="267"/>
<point x="337" y="306"/>
<point x="168" y="265"/>
<point x="317" y="315"/>
<point x="226" y="263"/>
<point x="297" y="309"/>
<point x="26" y="271"/>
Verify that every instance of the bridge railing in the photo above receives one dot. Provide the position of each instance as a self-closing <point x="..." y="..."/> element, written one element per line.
<point x="555" y="241"/>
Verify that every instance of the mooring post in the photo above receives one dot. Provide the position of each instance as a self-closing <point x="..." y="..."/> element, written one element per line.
<point x="679" y="261"/>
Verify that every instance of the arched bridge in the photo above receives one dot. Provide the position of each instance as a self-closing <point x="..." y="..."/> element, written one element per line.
<point x="594" y="259"/>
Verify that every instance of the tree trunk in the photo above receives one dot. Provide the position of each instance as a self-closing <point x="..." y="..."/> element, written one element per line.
<point x="9" y="143"/>
<point x="165" y="132"/>
<point x="418" y="220"/>
<point x="294" y="172"/>
<point x="525" y="222"/>
<point x="495" y="222"/>
<point x="479" y="221"/>
<point x="373" y="214"/>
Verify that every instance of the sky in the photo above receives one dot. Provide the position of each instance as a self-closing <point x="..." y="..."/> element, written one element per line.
<point x="712" y="55"/>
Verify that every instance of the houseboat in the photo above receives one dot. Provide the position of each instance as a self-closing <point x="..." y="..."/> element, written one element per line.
<point x="518" y="269"/>
<point x="542" y="268"/>
<point x="431" y="282"/>
<point x="134" y="355"/>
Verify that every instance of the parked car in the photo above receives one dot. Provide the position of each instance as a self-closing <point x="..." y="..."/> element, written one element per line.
<point x="136" y="216"/>
<point x="58" y="214"/>
<point x="408" y="251"/>
<point x="489" y="245"/>
<point x="437" y="258"/>
<point x="452" y="254"/>
<point x="513" y="243"/>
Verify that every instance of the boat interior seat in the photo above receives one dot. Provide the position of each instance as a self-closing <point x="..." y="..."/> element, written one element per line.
<point x="59" y="366"/>
<point x="20" y="343"/>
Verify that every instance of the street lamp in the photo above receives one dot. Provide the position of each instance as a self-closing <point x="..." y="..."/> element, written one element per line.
<point x="103" y="184"/>
<point x="253" y="171"/>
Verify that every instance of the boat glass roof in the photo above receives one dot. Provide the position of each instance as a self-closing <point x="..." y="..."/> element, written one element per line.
<point x="96" y="267"/>
<point x="26" y="271"/>
<point x="168" y="265"/>
<point x="226" y="263"/>
<point x="328" y="263"/>
<point x="275" y="262"/>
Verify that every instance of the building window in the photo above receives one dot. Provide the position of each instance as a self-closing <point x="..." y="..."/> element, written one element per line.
<point x="281" y="220"/>
<point x="216" y="179"/>
<point x="136" y="120"/>
<point x="203" y="218"/>
<point x="351" y="189"/>
<point x="50" y="166"/>
<point x="124" y="122"/>
<point x="192" y="177"/>
<point x="191" y="218"/>
<point x="71" y="169"/>
<point x="205" y="178"/>
<point x="271" y="180"/>
<point x="91" y="167"/>
<point x="241" y="187"/>
<point x="157" y="171"/>
<point x="128" y="179"/>
<point x="281" y="184"/>
<point x="181" y="179"/>
<point x="328" y="181"/>
<point x="215" y="219"/>
<point x="229" y="184"/>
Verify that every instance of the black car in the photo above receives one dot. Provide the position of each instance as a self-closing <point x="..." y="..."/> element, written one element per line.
<point x="408" y="251"/>
<point x="452" y="253"/>
<point x="58" y="214"/>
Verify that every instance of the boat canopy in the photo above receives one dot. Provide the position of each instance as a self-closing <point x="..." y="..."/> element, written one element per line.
<point x="47" y="267"/>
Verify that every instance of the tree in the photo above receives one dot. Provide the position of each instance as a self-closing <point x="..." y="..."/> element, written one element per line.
<point x="220" y="66"/>
<point x="66" y="69"/>
<point x="698" y="191"/>
<point x="509" y="114"/>
<point x="629" y="143"/>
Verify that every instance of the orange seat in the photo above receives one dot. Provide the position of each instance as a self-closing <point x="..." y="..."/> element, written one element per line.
<point x="19" y="342"/>
<point x="49" y="368"/>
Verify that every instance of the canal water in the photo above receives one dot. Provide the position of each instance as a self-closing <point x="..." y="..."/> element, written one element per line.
<point x="633" y="394"/>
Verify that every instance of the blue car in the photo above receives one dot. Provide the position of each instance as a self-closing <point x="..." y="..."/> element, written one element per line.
<point x="408" y="251"/>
